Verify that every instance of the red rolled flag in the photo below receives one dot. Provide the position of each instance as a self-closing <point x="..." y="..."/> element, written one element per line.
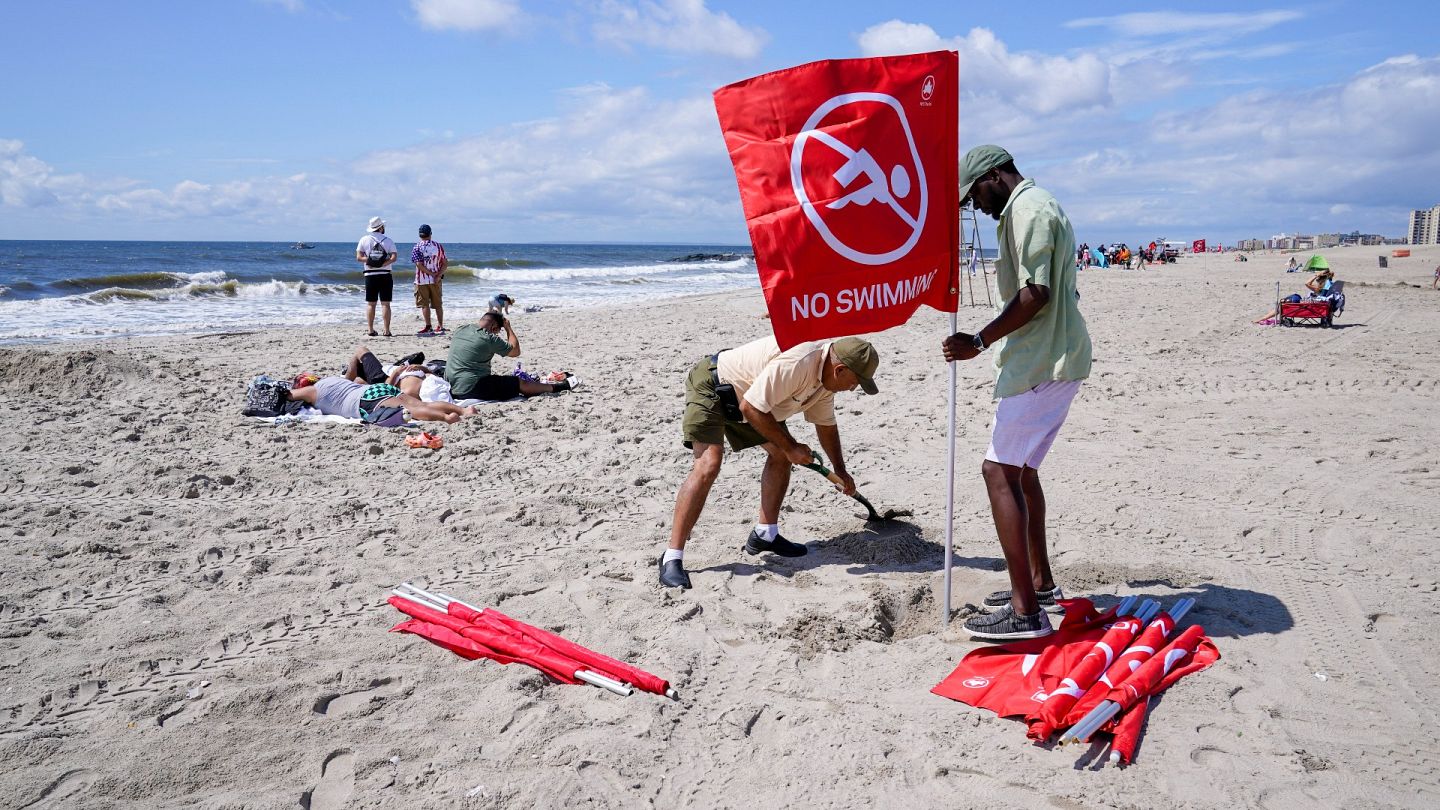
<point x="510" y="646"/>
<point x="1043" y="722"/>
<point x="1130" y="660"/>
<point x="1190" y="652"/>
<point x="596" y="662"/>
<point x="1127" y="732"/>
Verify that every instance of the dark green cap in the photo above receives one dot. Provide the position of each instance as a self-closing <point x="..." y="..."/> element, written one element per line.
<point x="860" y="357"/>
<point x="976" y="163"/>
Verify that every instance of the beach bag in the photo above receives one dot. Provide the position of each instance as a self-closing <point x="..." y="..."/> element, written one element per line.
<point x="377" y="254"/>
<point x="265" y="395"/>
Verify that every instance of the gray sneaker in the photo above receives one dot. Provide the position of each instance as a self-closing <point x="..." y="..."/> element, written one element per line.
<point x="1047" y="599"/>
<point x="1005" y="625"/>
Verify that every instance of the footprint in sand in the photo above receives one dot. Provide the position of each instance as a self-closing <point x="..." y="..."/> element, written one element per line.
<point x="378" y="689"/>
<point x="63" y="790"/>
<point x="337" y="782"/>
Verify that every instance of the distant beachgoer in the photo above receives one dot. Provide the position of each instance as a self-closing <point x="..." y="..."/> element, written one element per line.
<point x="1319" y="285"/>
<point x="1040" y="363"/>
<point x="501" y="304"/>
<point x="1434" y="285"/>
<point x="1294" y="265"/>
<point x="376" y="252"/>
<point x="429" y="260"/>
<point x="744" y="395"/>
<point x="467" y="368"/>
<point x="379" y="404"/>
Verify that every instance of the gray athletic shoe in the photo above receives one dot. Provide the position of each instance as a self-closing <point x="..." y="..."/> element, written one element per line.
<point x="1048" y="600"/>
<point x="1005" y="625"/>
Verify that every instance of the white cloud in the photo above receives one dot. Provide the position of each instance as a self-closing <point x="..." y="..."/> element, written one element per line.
<point x="466" y="15"/>
<point x="1176" y="23"/>
<point x="292" y="6"/>
<point x="1007" y="91"/>
<point x="614" y="164"/>
<point x="684" y="26"/>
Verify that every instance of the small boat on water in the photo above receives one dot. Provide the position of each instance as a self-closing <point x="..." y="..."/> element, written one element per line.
<point x="302" y="246"/>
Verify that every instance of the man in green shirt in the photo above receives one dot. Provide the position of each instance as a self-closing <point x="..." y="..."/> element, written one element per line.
<point x="467" y="368"/>
<point x="1042" y="353"/>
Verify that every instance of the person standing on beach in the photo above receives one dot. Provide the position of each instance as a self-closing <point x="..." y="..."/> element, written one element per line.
<point x="745" y="395"/>
<point x="376" y="252"/>
<point x="429" y="260"/>
<point x="1043" y="353"/>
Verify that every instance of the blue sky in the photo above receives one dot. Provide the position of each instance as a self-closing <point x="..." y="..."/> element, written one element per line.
<point x="507" y="120"/>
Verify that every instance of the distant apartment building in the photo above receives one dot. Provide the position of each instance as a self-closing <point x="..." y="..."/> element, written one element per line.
<point x="1304" y="243"/>
<point x="1250" y="244"/>
<point x="1280" y="241"/>
<point x="1325" y="240"/>
<point x="1425" y="227"/>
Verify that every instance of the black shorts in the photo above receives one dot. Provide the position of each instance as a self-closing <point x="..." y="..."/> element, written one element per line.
<point x="495" y="387"/>
<point x="370" y="369"/>
<point x="379" y="287"/>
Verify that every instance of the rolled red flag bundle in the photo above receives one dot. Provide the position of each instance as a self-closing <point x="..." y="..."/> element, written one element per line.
<point x="472" y="633"/>
<point x="1041" y="723"/>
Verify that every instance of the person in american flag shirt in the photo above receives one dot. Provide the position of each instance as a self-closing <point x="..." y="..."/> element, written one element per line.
<point x="429" y="259"/>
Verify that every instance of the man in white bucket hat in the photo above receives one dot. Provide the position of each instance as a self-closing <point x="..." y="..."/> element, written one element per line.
<point x="376" y="252"/>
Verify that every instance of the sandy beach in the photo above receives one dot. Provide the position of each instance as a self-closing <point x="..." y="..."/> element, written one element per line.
<point x="192" y="603"/>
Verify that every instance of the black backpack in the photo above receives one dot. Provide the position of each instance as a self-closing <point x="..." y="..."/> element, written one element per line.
<point x="378" y="254"/>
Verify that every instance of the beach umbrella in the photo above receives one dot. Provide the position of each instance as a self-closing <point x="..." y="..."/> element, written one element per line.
<point x="1152" y="639"/>
<point x="1190" y="652"/>
<point x="1043" y="721"/>
<point x="1013" y="679"/>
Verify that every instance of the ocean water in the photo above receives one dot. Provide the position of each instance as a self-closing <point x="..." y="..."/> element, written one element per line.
<point x="75" y="290"/>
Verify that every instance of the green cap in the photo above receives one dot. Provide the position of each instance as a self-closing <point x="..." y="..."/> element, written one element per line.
<point x="976" y="163"/>
<point x="860" y="357"/>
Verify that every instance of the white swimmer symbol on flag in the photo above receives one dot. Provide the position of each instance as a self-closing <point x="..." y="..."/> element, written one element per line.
<point x="885" y="188"/>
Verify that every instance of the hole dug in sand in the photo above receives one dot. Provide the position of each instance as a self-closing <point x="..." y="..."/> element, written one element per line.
<point x="887" y="615"/>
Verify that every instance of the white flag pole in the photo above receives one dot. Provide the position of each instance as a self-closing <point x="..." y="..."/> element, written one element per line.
<point x="950" y="483"/>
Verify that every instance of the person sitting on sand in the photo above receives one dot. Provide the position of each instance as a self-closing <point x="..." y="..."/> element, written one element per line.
<point x="1319" y="286"/>
<point x="1294" y="265"/>
<point x="745" y="395"/>
<point x="467" y="368"/>
<point x="380" y="404"/>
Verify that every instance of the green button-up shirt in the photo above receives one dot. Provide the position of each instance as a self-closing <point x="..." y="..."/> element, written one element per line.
<point x="1037" y="245"/>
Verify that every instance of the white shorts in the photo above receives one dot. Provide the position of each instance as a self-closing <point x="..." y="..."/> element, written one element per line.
<point x="1027" y="424"/>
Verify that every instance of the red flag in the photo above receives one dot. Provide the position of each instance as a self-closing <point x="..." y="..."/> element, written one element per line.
<point x="848" y="174"/>
<point x="594" y="661"/>
<point x="1152" y="639"/>
<point x="1047" y="717"/>
<point x="1015" y="678"/>
<point x="1198" y="246"/>
<point x="1127" y="731"/>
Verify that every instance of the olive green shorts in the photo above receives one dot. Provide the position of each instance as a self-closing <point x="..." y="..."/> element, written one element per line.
<point x="705" y="417"/>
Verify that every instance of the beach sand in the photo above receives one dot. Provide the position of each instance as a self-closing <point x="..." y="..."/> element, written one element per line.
<point x="192" y="603"/>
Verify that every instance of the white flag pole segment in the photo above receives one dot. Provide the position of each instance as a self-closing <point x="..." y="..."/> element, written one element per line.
<point x="950" y="484"/>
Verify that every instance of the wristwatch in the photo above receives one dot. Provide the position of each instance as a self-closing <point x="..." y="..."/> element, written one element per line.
<point x="978" y="342"/>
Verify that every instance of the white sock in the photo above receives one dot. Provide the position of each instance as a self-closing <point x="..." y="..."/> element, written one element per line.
<point x="768" y="531"/>
<point x="673" y="554"/>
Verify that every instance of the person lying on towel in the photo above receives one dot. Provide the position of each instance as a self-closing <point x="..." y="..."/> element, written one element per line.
<point x="381" y="404"/>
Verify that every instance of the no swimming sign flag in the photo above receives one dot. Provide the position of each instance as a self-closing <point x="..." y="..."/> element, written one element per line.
<point x="848" y="174"/>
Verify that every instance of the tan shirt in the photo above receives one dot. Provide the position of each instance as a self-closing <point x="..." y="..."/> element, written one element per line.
<point x="781" y="384"/>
